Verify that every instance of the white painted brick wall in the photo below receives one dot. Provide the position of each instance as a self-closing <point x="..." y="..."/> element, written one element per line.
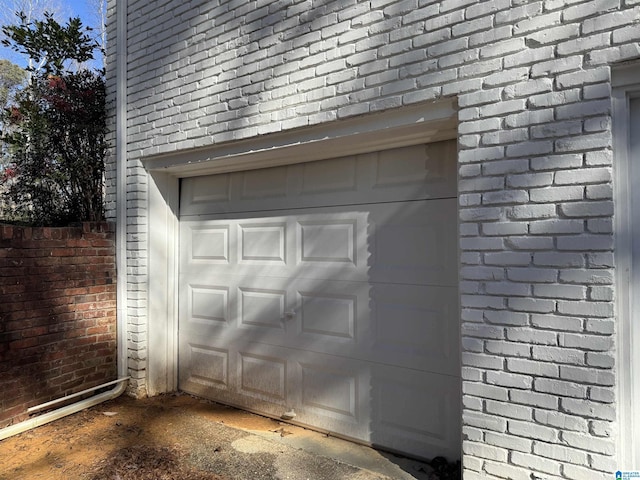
<point x="532" y="81"/>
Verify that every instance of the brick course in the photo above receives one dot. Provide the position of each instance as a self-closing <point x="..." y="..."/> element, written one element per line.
<point x="57" y="313"/>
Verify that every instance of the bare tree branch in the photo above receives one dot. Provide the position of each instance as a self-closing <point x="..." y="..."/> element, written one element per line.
<point x="98" y="21"/>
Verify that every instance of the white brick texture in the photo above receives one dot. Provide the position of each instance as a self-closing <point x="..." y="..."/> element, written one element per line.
<point x="533" y="85"/>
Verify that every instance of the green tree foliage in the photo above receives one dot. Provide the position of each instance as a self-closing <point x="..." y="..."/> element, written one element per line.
<point x="55" y="131"/>
<point x="50" y="44"/>
<point x="11" y="78"/>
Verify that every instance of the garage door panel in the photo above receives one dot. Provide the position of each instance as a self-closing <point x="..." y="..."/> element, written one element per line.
<point x="261" y="184"/>
<point x="331" y="317"/>
<point x="208" y="305"/>
<point x="200" y="193"/>
<point x="331" y="244"/>
<point x="328" y="316"/>
<point x="237" y="247"/>
<point x="328" y="241"/>
<point x="246" y="306"/>
<point x="399" y="242"/>
<point x="416" y="327"/>
<point x="401" y="399"/>
<point x="320" y="245"/>
<point x="421" y="169"/>
<point x="316" y="315"/>
<point x="238" y="307"/>
<point x="243" y="368"/>
<point x="408" y="173"/>
<point x="262" y="375"/>
<point x="411" y="242"/>
<point x="263" y="308"/>
<point x="207" y="243"/>
<point x="342" y="180"/>
<point x="259" y="376"/>
<point x="334" y="394"/>
<point x="210" y="243"/>
<point x="329" y="176"/>
<point x="204" y="366"/>
<point x="262" y="243"/>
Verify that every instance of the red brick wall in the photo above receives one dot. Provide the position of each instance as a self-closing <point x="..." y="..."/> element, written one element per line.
<point x="57" y="313"/>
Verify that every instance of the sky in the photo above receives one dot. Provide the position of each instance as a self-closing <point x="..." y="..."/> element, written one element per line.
<point x="78" y="8"/>
<point x="68" y="8"/>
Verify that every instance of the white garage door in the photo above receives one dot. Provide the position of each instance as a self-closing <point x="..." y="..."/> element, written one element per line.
<point x="328" y="289"/>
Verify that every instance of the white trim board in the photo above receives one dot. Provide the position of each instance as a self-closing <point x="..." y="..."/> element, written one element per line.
<point x="424" y="123"/>
<point x="626" y="132"/>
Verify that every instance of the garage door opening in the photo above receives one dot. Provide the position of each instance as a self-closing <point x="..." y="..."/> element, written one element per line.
<point x="326" y="292"/>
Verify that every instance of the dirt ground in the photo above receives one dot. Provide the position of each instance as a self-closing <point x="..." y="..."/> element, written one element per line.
<point x="127" y="439"/>
<point x="119" y="440"/>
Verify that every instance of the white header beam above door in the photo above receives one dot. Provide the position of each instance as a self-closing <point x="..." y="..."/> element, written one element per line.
<point x="422" y="123"/>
